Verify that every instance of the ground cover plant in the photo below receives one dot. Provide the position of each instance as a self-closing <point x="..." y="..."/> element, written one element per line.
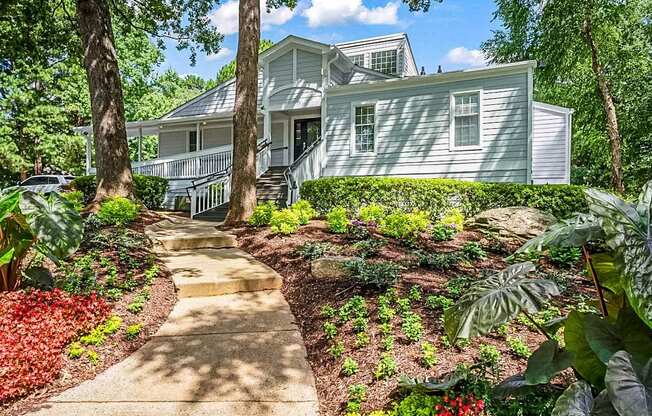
<point x="385" y="319"/>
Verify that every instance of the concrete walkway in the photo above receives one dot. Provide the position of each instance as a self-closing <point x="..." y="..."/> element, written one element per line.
<point x="234" y="354"/>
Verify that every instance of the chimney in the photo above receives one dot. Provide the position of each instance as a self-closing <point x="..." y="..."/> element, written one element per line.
<point x="423" y="70"/>
<point x="439" y="70"/>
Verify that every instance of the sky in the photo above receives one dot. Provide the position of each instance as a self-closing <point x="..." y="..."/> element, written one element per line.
<point x="449" y="34"/>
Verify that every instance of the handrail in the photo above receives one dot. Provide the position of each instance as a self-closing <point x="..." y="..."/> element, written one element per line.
<point x="182" y="156"/>
<point x="288" y="173"/>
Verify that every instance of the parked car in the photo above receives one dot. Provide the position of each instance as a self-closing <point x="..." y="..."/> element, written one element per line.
<point x="46" y="183"/>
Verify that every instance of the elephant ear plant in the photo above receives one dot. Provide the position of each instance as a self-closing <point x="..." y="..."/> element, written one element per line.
<point x="49" y="224"/>
<point x="611" y="352"/>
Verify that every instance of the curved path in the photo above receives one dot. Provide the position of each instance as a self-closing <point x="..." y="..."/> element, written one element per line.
<point x="229" y="354"/>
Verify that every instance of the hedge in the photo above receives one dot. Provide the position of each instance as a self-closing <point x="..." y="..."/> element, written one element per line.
<point x="150" y="190"/>
<point x="437" y="196"/>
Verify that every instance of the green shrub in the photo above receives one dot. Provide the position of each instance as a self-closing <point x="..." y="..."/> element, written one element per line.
<point x="150" y="190"/>
<point x="262" y="214"/>
<point x="473" y="251"/>
<point x="412" y="327"/>
<point x="337" y="220"/>
<point x="361" y="340"/>
<point x="489" y="355"/>
<point x="443" y="232"/>
<point x="379" y="275"/>
<point x="312" y="250"/>
<point x="565" y="257"/>
<point x="415" y="293"/>
<point x="386" y="367"/>
<point x="367" y="248"/>
<point x="360" y="324"/>
<point x="75" y="350"/>
<point x="138" y="302"/>
<point x="93" y="357"/>
<point x="404" y="225"/>
<point x="284" y="222"/>
<point x="387" y="342"/>
<point x="328" y="312"/>
<point x="349" y="367"/>
<point x="336" y="350"/>
<point x="437" y="261"/>
<point x="435" y="302"/>
<point x="417" y="403"/>
<point x="372" y="213"/>
<point x="330" y="330"/>
<point x="76" y="198"/>
<point x="438" y="196"/>
<point x="454" y="218"/>
<point x="428" y="354"/>
<point x="357" y="395"/>
<point x="304" y="211"/>
<point x="132" y="331"/>
<point x="518" y="347"/>
<point x="117" y="211"/>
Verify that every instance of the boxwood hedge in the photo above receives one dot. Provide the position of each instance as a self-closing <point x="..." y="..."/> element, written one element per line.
<point x="439" y="195"/>
<point x="150" y="190"/>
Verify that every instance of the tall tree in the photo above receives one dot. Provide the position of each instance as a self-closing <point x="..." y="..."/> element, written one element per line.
<point x="588" y="50"/>
<point x="243" y="183"/>
<point x="227" y="71"/>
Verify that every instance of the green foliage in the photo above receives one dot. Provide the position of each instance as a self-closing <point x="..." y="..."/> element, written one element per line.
<point x="76" y="198"/>
<point x="372" y="213"/>
<point x="415" y="293"/>
<point x="458" y="285"/>
<point x="262" y="214"/>
<point x="403" y="305"/>
<point x="436" y="302"/>
<point x="385" y="313"/>
<point x="358" y="231"/>
<point x="518" y="347"/>
<point x="443" y="232"/>
<point x="149" y="190"/>
<point x="98" y="335"/>
<point x="132" y="331"/>
<point x="312" y="250"/>
<point x="367" y="248"/>
<point x="304" y="211"/>
<point x="489" y="355"/>
<point x="138" y="302"/>
<point x="387" y="343"/>
<point x="360" y="324"/>
<point x="328" y="312"/>
<point x="437" y="261"/>
<point x="412" y="327"/>
<point x="336" y="350"/>
<point x="117" y="211"/>
<point x="565" y="257"/>
<point x="438" y="196"/>
<point x="416" y="403"/>
<point x="330" y="330"/>
<point x="378" y="275"/>
<point x="337" y="220"/>
<point x="453" y="218"/>
<point x="473" y="251"/>
<point x="428" y="354"/>
<point x="75" y="350"/>
<point x="93" y="357"/>
<point x="386" y="367"/>
<point x="284" y="222"/>
<point x="349" y="367"/>
<point x="403" y="225"/>
<point x="361" y="339"/>
<point x="357" y="395"/>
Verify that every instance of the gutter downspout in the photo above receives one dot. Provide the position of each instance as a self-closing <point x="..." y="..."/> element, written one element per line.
<point x="323" y="145"/>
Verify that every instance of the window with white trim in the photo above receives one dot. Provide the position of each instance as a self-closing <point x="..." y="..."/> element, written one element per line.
<point x="193" y="143"/>
<point x="365" y="131"/>
<point x="385" y="62"/>
<point x="358" y="59"/>
<point x="466" y="120"/>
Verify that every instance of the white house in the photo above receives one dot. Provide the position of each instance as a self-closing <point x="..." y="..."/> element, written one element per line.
<point x="361" y="108"/>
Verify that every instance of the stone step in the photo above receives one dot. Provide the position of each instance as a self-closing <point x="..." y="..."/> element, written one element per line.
<point x="211" y="272"/>
<point x="184" y="234"/>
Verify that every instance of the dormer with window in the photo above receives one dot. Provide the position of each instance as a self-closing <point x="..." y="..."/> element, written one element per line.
<point x="391" y="55"/>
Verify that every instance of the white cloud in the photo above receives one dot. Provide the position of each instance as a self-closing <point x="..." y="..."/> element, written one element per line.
<point x="325" y="12"/>
<point x="463" y="56"/>
<point x="223" y="53"/>
<point x="225" y="18"/>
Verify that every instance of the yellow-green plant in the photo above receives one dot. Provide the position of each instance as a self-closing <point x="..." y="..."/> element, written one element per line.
<point x="284" y="222"/>
<point x="262" y="214"/>
<point x="304" y="211"/>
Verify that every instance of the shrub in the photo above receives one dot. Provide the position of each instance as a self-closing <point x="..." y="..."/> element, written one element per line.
<point x="337" y="220"/>
<point x="262" y="214"/>
<point x="75" y="350"/>
<point x="418" y="403"/>
<point x="328" y="312"/>
<point x="386" y="367"/>
<point x="336" y="350"/>
<point x="473" y="251"/>
<point x="437" y="261"/>
<point x="415" y="293"/>
<point x="454" y="218"/>
<point x="304" y="211"/>
<point x="438" y="196"/>
<point x="314" y="249"/>
<point x="372" y="213"/>
<point x="367" y="248"/>
<point x="387" y="343"/>
<point x="404" y="225"/>
<point x="412" y="327"/>
<point x="349" y="367"/>
<point x="361" y="340"/>
<point x="443" y="232"/>
<point x="76" y="198"/>
<point x="518" y="347"/>
<point x="379" y="275"/>
<point x="330" y="330"/>
<point x="35" y="328"/>
<point x="284" y="222"/>
<point x="435" y="302"/>
<point x="357" y="230"/>
<point x="360" y="324"/>
<point x="132" y="331"/>
<point x="98" y="335"/>
<point x="138" y="302"/>
<point x="489" y="355"/>
<point x="428" y="354"/>
<point x="357" y="395"/>
<point x="117" y="211"/>
<point x="93" y="357"/>
<point x="565" y="257"/>
<point x="150" y="190"/>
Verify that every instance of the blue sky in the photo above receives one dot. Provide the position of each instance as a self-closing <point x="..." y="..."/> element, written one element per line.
<point x="448" y="35"/>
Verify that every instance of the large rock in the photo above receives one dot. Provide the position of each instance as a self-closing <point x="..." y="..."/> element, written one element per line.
<point x="331" y="267"/>
<point x="513" y="223"/>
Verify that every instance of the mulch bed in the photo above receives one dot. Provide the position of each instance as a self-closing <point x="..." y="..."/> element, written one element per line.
<point x="306" y="296"/>
<point x="116" y="348"/>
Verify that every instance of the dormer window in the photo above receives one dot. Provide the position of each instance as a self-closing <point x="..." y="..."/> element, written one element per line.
<point x="358" y="59"/>
<point x="385" y="62"/>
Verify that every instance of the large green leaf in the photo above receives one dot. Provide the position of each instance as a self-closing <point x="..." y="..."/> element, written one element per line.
<point x="512" y="386"/>
<point x="576" y="400"/>
<point x="586" y="362"/>
<point x="8" y="204"/>
<point x="603" y="337"/>
<point x="629" y="387"/>
<point x="6" y="255"/>
<point x="497" y="300"/>
<point x="54" y="222"/>
<point x="546" y="362"/>
<point x="609" y="270"/>
<point x="573" y="232"/>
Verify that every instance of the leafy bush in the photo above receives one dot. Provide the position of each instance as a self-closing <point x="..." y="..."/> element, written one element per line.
<point x="428" y="354"/>
<point x="437" y="261"/>
<point x="98" y="335"/>
<point x="262" y="214"/>
<point x="435" y="302"/>
<point x="404" y="225"/>
<point x="117" y="211"/>
<point x="35" y="328"/>
<point x="349" y="367"/>
<point x="361" y="340"/>
<point x="453" y="218"/>
<point x="565" y="257"/>
<point x="386" y="367"/>
<point x="443" y="232"/>
<point x="336" y="350"/>
<point x="337" y="220"/>
<point x="379" y="275"/>
<point x="367" y="248"/>
<point x="518" y="347"/>
<point x="138" y="302"/>
<point x="372" y="213"/>
<point x="76" y="199"/>
<point x="330" y="330"/>
<point x="358" y="231"/>
<point x="489" y="355"/>
<point x="357" y="395"/>
<point x="415" y="293"/>
<point x="132" y="331"/>
<point x="387" y="342"/>
<point x="328" y="312"/>
<point x="312" y="250"/>
<point x="284" y="222"/>
<point x="304" y="211"/>
<point x="473" y="251"/>
<point x="412" y="327"/>
<point x="150" y="190"/>
<point x="75" y="350"/>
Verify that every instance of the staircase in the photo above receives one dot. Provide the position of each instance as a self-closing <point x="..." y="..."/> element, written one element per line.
<point x="270" y="186"/>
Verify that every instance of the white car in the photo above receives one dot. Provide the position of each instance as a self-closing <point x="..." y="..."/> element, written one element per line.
<point x="45" y="184"/>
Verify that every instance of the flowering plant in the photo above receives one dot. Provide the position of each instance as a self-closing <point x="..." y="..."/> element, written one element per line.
<point x="461" y="405"/>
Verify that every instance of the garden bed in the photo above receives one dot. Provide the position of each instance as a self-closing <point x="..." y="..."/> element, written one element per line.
<point x="114" y="265"/>
<point x="308" y="296"/>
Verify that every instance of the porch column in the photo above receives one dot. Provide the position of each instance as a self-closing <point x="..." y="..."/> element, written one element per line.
<point x="89" y="138"/>
<point x="267" y="124"/>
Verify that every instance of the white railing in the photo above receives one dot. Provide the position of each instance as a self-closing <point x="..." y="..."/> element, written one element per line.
<point x="308" y="166"/>
<point x="215" y="190"/>
<point x="187" y="165"/>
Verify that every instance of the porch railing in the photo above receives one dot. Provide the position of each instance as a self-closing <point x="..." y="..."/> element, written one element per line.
<point x="308" y="166"/>
<point x="187" y="165"/>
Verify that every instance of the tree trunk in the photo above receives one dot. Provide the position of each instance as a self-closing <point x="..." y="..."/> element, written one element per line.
<point x="243" y="185"/>
<point x="609" y="108"/>
<point x="107" y="106"/>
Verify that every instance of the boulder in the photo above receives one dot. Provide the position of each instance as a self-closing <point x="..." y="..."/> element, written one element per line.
<point x="513" y="223"/>
<point x="331" y="267"/>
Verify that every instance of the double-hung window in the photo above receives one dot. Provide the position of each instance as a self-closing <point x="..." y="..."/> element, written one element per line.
<point x="385" y="62"/>
<point x="364" y="129"/>
<point x="193" y="143"/>
<point x="466" y="120"/>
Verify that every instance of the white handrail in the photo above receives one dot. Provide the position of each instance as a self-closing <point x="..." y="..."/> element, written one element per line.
<point x="187" y="165"/>
<point x="308" y="167"/>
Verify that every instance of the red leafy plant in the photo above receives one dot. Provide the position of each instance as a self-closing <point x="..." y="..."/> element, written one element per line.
<point x="460" y="406"/>
<point x="35" y="327"/>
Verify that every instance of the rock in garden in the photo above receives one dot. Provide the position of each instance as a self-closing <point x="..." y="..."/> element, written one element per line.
<point x="331" y="267"/>
<point x="513" y="223"/>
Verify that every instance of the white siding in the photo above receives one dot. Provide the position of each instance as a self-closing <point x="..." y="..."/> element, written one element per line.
<point x="550" y="146"/>
<point x="280" y="71"/>
<point x="217" y="136"/>
<point x="220" y="100"/>
<point x="412" y="133"/>
<point x="405" y="61"/>
<point x="305" y="89"/>
<point x="172" y="143"/>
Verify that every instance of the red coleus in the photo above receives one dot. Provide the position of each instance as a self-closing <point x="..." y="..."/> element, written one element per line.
<point x="460" y="406"/>
<point x="35" y="327"/>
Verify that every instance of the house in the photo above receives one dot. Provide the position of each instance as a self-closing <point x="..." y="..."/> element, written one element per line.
<point x="361" y="108"/>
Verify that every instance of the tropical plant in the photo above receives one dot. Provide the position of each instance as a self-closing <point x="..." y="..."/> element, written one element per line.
<point x="50" y="225"/>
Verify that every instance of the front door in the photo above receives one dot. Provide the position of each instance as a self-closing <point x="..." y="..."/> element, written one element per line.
<point x="306" y="132"/>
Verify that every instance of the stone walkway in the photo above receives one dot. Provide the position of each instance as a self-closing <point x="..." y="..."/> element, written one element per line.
<point x="234" y="354"/>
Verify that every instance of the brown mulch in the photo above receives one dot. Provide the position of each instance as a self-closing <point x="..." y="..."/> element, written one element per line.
<point x="306" y="296"/>
<point x="116" y="347"/>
